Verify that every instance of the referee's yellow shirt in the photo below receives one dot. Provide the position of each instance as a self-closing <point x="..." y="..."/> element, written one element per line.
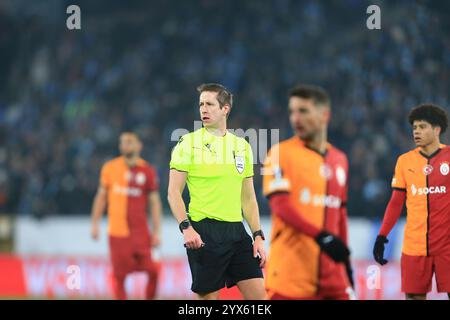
<point x="216" y="167"/>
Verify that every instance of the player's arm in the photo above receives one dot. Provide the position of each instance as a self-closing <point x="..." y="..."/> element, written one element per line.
<point x="281" y="205"/>
<point x="391" y="216"/>
<point x="343" y="226"/>
<point x="155" y="207"/>
<point x="343" y="235"/>
<point x="343" y="216"/>
<point x="392" y="212"/>
<point x="251" y="215"/>
<point x="98" y="207"/>
<point x="177" y="182"/>
<point x="343" y="232"/>
<point x="343" y="223"/>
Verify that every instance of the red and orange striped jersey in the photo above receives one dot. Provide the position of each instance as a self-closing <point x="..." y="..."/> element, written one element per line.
<point x="317" y="186"/>
<point x="426" y="181"/>
<point x="128" y="189"/>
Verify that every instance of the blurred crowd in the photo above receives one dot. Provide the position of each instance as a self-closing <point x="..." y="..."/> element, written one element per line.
<point x="66" y="95"/>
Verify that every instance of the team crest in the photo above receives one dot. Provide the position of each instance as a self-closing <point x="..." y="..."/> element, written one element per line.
<point x="445" y="169"/>
<point x="239" y="162"/>
<point x="325" y="171"/>
<point x="428" y="169"/>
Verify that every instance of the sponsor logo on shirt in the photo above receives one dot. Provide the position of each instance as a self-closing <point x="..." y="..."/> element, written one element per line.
<point x="430" y="190"/>
<point x="128" y="191"/>
<point x="319" y="200"/>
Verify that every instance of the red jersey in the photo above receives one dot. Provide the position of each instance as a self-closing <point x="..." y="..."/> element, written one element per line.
<point x="128" y="189"/>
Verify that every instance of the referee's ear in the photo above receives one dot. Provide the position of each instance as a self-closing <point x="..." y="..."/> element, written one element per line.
<point x="227" y="108"/>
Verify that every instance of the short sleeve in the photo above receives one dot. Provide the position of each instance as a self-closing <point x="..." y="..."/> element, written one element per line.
<point x="248" y="171"/>
<point x="398" y="181"/>
<point x="181" y="158"/>
<point x="105" y="179"/>
<point x="274" y="174"/>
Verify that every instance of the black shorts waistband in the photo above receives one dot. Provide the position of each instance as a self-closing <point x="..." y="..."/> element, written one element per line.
<point x="220" y="231"/>
<point x="215" y="221"/>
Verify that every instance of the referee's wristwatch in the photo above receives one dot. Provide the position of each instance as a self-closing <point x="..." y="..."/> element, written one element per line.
<point x="259" y="233"/>
<point x="184" y="225"/>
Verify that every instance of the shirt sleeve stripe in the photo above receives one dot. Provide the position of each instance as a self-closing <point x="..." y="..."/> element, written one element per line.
<point x="276" y="192"/>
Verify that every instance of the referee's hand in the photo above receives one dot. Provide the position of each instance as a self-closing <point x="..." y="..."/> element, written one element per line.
<point x="258" y="250"/>
<point x="192" y="239"/>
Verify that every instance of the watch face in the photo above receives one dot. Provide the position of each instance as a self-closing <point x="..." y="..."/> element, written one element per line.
<point x="259" y="233"/>
<point x="185" y="225"/>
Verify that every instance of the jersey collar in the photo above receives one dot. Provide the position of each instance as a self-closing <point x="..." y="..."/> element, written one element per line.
<point x="214" y="136"/>
<point x="441" y="146"/>
<point x="324" y="154"/>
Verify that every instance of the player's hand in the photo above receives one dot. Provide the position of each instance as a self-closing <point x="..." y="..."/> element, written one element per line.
<point x="333" y="246"/>
<point x="95" y="231"/>
<point x="156" y="240"/>
<point x="192" y="239"/>
<point x="259" y="250"/>
<point x="378" y="250"/>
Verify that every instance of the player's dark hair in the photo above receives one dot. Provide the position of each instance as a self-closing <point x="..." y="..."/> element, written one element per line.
<point x="223" y="95"/>
<point x="431" y="113"/>
<point x="133" y="133"/>
<point x="315" y="93"/>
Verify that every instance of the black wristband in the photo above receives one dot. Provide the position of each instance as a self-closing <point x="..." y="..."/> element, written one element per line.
<point x="381" y="239"/>
<point x="259" y="233"/>
<point x="184" y="225"/>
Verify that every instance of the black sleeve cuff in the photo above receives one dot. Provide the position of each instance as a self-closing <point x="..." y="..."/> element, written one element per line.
<point x="268" y="196"/>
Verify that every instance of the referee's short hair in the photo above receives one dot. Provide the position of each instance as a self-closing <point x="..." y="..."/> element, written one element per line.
<point x="317" y="94"/>
<point x="223" y="95"/>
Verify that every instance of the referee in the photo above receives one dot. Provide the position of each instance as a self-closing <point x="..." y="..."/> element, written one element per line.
<point x="218" y="169"/>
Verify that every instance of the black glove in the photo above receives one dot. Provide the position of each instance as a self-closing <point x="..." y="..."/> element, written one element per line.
<point x="333" y="246"/>
<point x="349" y="270"/>
<point x="378" y="250"/>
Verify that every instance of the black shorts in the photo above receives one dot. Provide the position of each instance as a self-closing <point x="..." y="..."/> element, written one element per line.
<point x="226" y="258"/>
